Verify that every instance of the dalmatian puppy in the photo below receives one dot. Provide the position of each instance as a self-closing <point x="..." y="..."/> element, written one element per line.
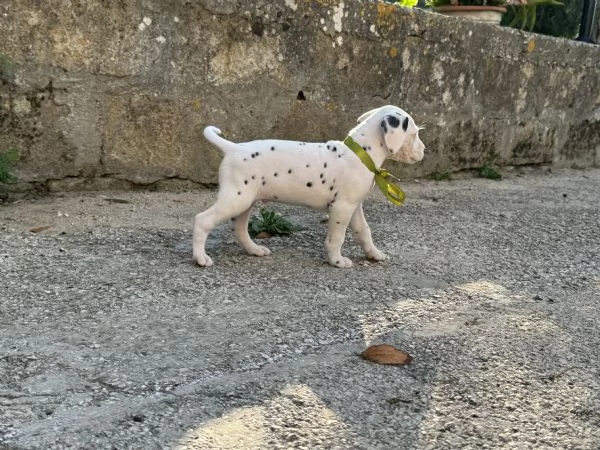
<point x="325" y="175"/>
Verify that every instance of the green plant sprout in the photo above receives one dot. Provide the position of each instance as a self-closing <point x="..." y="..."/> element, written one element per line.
<point x="6" y="161"/>
<point x="271" y="223"/>
<point x="407" y="3"/>
<point x="526" y="12"/>
<point x="489" y="172"/>
<point x="441" y="175"/>
<point x="7" y="68"/>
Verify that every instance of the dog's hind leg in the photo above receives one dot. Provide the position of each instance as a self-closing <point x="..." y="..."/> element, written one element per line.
<point x="362" y="232"/>
<point x="241" y="232"/>
<point x="205" y="222"/>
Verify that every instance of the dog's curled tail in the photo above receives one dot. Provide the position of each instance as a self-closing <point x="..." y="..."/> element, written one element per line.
<point x="212" y="134"/>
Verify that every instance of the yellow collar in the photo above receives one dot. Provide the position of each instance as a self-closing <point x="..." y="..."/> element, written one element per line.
<point x="393" y="193"/>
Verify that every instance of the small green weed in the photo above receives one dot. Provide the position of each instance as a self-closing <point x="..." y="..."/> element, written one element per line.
<point x="407" y="3"/>
<point x="6" y="161"/>
<point x="489" y="172"/>
<point x="441" y="175"/>
<point x="7" y="68"/>
<point x="272" y="224"/>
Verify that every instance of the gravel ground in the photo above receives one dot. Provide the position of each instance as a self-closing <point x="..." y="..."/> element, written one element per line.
<point x="111" y="338"/>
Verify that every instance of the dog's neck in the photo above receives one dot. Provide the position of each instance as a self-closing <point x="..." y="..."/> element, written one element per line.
<point x="369" y="137"/>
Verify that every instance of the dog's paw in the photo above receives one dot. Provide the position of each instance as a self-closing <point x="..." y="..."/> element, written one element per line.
<point x="376" y="255"/>
<point x="258" y="250"/>
<point x="203" y="260"/>
<point x="341" y="262"/>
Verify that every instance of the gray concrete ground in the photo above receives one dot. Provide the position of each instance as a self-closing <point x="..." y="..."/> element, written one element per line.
<point x="111" y="338"/>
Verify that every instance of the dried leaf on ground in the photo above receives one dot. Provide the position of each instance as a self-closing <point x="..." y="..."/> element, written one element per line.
<point x="386" y="354"/>
<point x="40" y="229"/>
<point x="116" y="200"/>
<point x="263" y="235"/>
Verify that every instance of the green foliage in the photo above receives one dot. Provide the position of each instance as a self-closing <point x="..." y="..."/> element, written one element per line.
<point x="434" y="3"/>
<point x="404" y="3"/>
<point x="408" y="3"/>
<point x="441" y="175"/>
<point x="6" y="161"/>
<point x="548" y="19"/>
<point x="272" y="223"/>
<point x="7" y="68"/>
<point x="490" y="172"/>
<point x="526" y="14"/>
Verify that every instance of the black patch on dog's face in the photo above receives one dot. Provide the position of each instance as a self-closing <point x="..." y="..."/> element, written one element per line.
<point x="309" y="184"/>
<point x="384" y="126"/>
<point x="393" y="122"/>
<point x="405" y="124"/>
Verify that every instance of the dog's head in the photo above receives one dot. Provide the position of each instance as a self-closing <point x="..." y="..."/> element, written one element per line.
<point x="398" y="131"/>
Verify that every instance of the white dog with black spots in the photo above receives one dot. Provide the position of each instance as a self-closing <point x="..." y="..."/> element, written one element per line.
<point x="326" y="176"/>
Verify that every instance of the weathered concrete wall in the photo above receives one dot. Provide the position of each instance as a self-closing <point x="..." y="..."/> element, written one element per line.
<point x="121" y="90"/>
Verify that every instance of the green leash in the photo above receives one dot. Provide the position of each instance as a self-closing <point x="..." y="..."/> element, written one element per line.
<point x="393" y="193"/>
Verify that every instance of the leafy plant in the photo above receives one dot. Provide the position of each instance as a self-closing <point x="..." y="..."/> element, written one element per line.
<point x="489" y="172"/>
<point x="441" y="175"/>
<point x="6" y="161"/>
<point x="272" y="224"/>
<point x="7" y="68"/>
<point x="404" y="3"/>
<point x="434" y="3"/>
<point x="408" y="3"/>
<point x="527" y="11"/>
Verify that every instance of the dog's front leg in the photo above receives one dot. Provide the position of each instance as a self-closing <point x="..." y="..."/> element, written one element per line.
<point x="339" y="216"/>
<point x="241" y="232"/>
<point x="362" y="231"/>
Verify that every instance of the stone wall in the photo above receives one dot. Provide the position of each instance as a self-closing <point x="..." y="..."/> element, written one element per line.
<point x="118" y="92"/>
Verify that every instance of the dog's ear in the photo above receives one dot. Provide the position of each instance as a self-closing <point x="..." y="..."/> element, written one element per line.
<point x="366" y="115"/>
<point x="394" y="131"/>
